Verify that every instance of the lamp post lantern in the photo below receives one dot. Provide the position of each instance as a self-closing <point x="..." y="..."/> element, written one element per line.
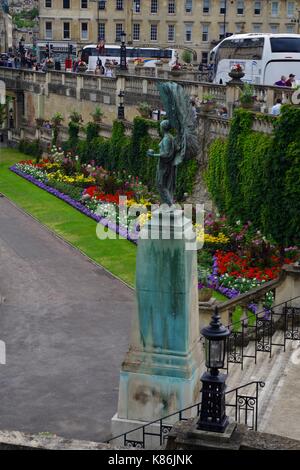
<point x="123" y="52"/>
<point x="213" y="414"/>
<point x="121" y="109"/>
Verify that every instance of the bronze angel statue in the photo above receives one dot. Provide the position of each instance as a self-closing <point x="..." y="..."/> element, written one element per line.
<point x="173" y="150"/>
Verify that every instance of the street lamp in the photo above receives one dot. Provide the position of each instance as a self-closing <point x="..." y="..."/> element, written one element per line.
<point x="123" y="52"/>
<point x="22" y="50"/>
<point x="121" y="109"/>
<point x="213" y="414"/>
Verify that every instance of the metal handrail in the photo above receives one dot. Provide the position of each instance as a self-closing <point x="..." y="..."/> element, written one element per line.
<point x="180" y="412"/>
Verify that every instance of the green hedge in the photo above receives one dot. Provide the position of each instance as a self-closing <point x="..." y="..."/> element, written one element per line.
<point x="32" y="148"/>
<point x="255" y="176"/>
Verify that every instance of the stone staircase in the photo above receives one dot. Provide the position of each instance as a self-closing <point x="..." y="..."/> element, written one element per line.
<point x="267" y="369"/>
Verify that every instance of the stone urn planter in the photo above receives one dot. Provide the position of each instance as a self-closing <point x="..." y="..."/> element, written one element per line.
<point x="82" y="68"/>
<point x="236" y="76"/>
<point x="205" y="294"/>
<point x="207" y="107"/>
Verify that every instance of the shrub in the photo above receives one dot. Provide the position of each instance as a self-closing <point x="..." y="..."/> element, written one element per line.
<point x="32" y="148"/>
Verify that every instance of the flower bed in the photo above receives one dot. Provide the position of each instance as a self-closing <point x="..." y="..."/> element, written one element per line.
<point x="234" y="259"/>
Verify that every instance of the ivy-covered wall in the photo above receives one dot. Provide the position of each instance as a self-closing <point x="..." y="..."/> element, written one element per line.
<point x="255" y="177"/>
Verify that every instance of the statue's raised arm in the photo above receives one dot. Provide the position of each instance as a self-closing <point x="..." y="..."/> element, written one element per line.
<point x="174" y="150"/>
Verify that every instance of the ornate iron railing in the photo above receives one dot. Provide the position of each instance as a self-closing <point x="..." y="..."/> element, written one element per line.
<point x="256" y="333"/>
<point x="241" y="406"/>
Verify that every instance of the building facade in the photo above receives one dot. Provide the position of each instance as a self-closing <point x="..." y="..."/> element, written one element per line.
<point x="196" y="25"/>
<point x="69" y="21"/>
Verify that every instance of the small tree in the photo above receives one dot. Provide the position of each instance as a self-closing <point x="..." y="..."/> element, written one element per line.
<point x="56" y="121"/>
<point x="97" y="114"/>
<point x="187" y="57"/>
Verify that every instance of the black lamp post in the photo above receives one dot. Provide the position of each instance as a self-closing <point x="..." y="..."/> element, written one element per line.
<point x="22" y="51"/>
<point x="121" y="109"/>
<point x="123" y="52"/>
<point x="213" y="414"/>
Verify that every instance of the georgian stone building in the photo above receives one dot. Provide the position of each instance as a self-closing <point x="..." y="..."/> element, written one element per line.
<point x="192" y="24"/>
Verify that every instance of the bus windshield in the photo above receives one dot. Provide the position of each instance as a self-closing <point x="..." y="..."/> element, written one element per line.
<point x="241" y="49"/>
<point x="285" y="45"/>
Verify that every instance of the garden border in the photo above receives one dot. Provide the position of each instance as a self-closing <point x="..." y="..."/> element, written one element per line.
<point x="75" y="204"/>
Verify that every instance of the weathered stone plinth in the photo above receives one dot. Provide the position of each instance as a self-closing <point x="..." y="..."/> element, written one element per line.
<point x="160" y="373"/>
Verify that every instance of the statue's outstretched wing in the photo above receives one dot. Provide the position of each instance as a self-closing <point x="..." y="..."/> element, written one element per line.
<point x="181" y="117"/>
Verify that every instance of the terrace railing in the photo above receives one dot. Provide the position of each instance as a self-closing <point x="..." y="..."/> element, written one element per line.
<point x="242" y="405"/>
<point x="263" y="331"/>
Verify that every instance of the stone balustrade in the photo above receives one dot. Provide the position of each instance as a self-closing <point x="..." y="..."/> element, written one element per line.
<point x="141" y="87"/>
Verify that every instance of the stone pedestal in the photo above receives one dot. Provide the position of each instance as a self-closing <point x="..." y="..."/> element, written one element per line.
<point x="160" y="374"/>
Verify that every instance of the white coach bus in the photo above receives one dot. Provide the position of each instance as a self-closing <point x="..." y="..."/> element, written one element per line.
<point x="264" y="57"/>
<point x="146" y="55"/>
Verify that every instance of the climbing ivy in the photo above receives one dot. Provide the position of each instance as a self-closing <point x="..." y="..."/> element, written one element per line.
<point x="255" y="176"/>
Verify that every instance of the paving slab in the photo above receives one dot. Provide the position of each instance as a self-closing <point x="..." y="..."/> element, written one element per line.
<point x="66" y="325"/>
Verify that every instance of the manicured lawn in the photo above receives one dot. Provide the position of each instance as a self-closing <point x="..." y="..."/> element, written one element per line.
<point x="117" y="256"/>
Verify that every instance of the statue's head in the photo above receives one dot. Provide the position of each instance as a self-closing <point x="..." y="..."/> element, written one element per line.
<point x="165" y="125"/>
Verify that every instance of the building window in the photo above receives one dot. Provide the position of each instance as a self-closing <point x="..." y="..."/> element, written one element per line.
<point x="154" y="6"/>
<point x="101" y="31"/>
<point x="240" y="7"/>
<point x="204" y="57"/>
<point x="66" y="3"/>
<point x="274" y="9"/>
<point x="119" y="5"/>
<point x="48" y="3"/>
<point x="221" y="31"/>
<point x="84" y="31"/>
<point x="188" y="6"/>
<point x="153" y="32"/>
<point x="136" y="6"/>
<point x="84" y="4"/>
<point x="290" y="9"/>
<point x="205" y="29"/>
<point x="222" y="7"/>
<point x="171" y="32"/>
<point x="188" y="32"/>
<point x="290" y="28"/>
<point x="66" y="31"/>
<point x="102" y="4"/>
<point x="256" y="28"/>
<point x="257" y="8"/>
<point x="119" y="30"/>
<point x="136" y="31"/>
<point x="171" y="7"/>
<point x="48" y="30"/>
<point x="206" y="6"/>
<point x="274" y="28"/>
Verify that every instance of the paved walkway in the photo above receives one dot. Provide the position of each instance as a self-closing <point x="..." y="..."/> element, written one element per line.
<point x="66" y="326"/>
